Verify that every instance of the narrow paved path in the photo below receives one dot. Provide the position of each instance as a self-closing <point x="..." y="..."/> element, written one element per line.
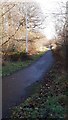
<point x="14" y="85"/>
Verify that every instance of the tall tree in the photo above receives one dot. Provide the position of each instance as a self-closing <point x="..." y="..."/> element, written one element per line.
<point x="27" y="14"/>
<point x="32" y="18"/>
<point x="59" y="19"/>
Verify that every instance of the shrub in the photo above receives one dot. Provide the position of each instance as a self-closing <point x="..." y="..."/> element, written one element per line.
<point x="19" y="56"/>
<point x="14" y="57"/>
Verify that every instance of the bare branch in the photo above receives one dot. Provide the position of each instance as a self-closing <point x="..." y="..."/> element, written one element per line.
<point x="8" y="10"/>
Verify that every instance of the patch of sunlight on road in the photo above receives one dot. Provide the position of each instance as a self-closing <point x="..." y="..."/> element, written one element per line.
<point x="45" y="49"/>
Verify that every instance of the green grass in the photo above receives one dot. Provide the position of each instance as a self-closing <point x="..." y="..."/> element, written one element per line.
<point x="11" y="67"/>
<point x="14" y="66"/>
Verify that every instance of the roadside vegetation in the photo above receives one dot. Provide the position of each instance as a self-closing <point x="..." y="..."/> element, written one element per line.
<point x="19" y="61"/>
<point x="50" y="98"/>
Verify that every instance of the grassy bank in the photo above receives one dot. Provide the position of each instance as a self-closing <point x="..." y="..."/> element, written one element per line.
<point x="50" y="99"/>
<point x="11" y="67"/>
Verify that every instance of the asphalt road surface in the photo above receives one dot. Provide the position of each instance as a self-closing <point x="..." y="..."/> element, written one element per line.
<point x="13" y="86"/>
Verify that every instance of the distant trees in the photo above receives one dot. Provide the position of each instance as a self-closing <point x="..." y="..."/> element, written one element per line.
<point x="62" y="24"/>
<point x="61" y="27"/>
<point x="27" y="15"/>
<point x="60" y="18"/>
<point x="66" y="24"/>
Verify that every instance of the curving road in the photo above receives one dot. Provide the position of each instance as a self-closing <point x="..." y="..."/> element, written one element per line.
<point x="13" y="86"/>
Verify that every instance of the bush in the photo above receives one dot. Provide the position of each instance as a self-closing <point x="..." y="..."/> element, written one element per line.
<point x="14" y="57"/>
<point x="25" y="56"/>
<point x="19" y="56"/>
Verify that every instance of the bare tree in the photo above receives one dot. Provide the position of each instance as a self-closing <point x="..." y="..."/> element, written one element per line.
<point x="28" y="15"/>
<point x="32" y="18"/>
<point x="59" y="19"/>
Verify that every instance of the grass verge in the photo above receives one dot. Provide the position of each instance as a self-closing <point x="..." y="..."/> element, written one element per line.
<point x="11" y="67"/>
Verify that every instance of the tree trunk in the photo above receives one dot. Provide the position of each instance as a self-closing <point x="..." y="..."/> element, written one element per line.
<point x="26" y="32"/>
